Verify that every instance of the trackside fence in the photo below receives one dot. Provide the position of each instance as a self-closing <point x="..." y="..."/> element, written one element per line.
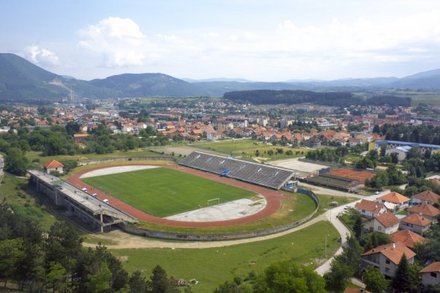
<point x="227" y="235"/>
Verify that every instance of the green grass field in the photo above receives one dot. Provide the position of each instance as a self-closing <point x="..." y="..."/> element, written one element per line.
<point x="213" y="266"/>
<point x="163" y="192"/>
<point x="247" y="148"/>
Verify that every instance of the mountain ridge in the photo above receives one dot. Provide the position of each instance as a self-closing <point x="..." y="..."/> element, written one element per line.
<point x="23" y="80"/>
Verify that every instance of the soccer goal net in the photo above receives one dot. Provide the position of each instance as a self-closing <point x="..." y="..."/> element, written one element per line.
<point x="213" y="202"/>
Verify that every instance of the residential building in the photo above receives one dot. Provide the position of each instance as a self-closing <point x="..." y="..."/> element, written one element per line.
<point x="415" y="223"/>
<point x="370" y="209"/>
<point x="431" y="275"/>
<point x="387" y="257"/>
<point x="394" y="201"/>
<point x="426" y="210"/>
<point x="407" y="237"/>
<point x="428" y="197"/>
<point x="386" y="223"/>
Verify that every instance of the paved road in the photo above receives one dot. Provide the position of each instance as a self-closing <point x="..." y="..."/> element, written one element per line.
<point x="332" y="216"/>
<point x="327" y="191"/>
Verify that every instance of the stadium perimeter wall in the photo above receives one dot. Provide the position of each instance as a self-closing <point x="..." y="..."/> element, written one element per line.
<point x="223" y="236"/>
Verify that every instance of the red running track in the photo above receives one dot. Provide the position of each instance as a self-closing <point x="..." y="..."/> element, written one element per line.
<point x="273" y="199"/>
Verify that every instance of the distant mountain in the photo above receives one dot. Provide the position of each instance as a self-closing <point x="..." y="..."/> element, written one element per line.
<point x="427" y="80"/>
<point x="149" y="85"/>
<point x="22" y="80"/>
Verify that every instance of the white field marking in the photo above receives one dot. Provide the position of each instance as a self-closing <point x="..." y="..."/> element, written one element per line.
<point x="115" y="170"/>
<point x="225" y="211"/>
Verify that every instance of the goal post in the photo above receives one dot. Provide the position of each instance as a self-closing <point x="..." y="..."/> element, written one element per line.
<point x="213" y="201"/>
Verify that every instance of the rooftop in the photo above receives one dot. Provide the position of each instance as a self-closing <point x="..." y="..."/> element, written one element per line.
<point x="407" y="237"/>
<point x="394" y="197"/>
<point x="392" y="251"/>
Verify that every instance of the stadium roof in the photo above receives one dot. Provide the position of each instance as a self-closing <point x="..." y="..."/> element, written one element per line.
<point x="88" y="202"/>
<point x="407" y="143"/>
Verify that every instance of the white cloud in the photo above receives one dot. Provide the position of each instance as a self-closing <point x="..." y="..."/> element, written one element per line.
<point x="119" y="41"/>
<point x="41" y="56"/>
<point x="289" y="49"/>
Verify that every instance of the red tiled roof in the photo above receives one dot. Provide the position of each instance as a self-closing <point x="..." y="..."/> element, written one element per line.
<point x="387" y="219"/>
<point x="369" y="205"/>
<point x="392" y="251"/>
<point x="53" y="164"/>
<point x="417" y="220"/>
<point x="425" y="210"/>
<point x="427" y="195"/>
<point x="394" y="197"/>
<point x="407" y="237"/>
<point x="434" y="267"/>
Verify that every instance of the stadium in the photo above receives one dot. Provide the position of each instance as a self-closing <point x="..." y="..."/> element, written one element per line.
<point x="203" y="191"/>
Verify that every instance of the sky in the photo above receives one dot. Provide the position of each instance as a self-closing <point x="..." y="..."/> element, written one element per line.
<point x="257" y="40"/>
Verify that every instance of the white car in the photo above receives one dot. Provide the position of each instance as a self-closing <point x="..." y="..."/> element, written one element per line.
<point x="84" y="189"/>
<point x="94" y="194"/>
<point x="105" y="200"/>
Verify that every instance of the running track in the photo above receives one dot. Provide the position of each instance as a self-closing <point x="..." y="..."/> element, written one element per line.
<point x="273" y="199"/>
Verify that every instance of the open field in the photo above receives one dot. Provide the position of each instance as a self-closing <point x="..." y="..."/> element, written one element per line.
<point x="163" y="192"/>
<point x="247" y="148"/>
<point x="36" y="156"/>
<point x="213" y="266"/>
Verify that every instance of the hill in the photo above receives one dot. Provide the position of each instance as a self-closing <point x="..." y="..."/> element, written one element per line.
<point x="149" y="85"/>
<point x="289" y="97"/>
<point x="20" y="79"/>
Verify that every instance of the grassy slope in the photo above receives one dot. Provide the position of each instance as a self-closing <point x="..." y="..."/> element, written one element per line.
<point x="213" y="266"/>
<point x="163" y="192"/>
<point x="13" y="190"/>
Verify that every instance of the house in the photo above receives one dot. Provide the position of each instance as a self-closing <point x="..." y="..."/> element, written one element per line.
<point x="370" y="209"/>
<point x="407" y="237"/>
<point x="426" y="196"/>
<point x="431" y="275"/>
<point x="53" y="166"/>
<point x="386" y="223"/>
<point x="415" y="223"/>
<point x="400" y="151"/>
<point x="426" y="210"/>
<point x="387" y="257"/>
<point x="394" y="201"/>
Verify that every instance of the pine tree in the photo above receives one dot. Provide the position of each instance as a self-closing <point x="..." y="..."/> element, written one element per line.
<point x="401" y="281"/>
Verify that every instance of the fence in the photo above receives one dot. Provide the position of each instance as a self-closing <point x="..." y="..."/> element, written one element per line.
<point x="224" y="236"/>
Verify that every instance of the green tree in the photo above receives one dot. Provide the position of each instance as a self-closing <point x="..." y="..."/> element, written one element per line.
<point x="15" y="162"/>
<point x="289" y="277"/>
<point x="100" y="280"/>
<point x="401" y="281"/>
<point x="357" y="227"/>
<point x="374" y="280"/>
<point x="11" y="252"/>
<point x="138" y="283"/>
<point x="160" y="282"/>
<point x="56" y="276"/>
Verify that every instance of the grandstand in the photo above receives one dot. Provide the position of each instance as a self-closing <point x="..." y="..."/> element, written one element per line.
<point x="77" y="202"/>
<point x="267" y="176"/>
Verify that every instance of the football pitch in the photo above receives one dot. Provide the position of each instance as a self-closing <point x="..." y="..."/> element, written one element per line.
<point x="163" y="192"/>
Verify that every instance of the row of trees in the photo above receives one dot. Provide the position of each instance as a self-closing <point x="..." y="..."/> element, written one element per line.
<point x="57" y="261"/>
<point x="412" y="133"/>
<point x="57" y="140"/>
